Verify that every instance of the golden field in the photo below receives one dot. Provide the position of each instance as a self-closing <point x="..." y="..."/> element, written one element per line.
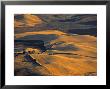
<point x="70" y="54"/>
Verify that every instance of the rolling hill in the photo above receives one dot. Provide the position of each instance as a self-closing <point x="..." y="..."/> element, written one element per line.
<point x="67" y="53"/>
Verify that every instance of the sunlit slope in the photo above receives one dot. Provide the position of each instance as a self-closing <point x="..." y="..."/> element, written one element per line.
<point x="71" y="24"/>
<point x="39" y="32"/>
<point x="65" y="65"/>
<point x="69" y="55"/>
<point x="26" y="20"/>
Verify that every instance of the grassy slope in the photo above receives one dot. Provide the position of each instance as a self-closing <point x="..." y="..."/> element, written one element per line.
<point x="72" y="62"/>
<point x="82" y="61"/>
